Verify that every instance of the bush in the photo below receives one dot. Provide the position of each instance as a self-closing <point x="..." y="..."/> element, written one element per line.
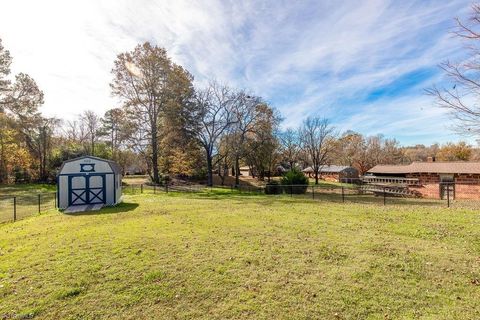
<point x="273" y="187"/>
<point x="294" y="181"/>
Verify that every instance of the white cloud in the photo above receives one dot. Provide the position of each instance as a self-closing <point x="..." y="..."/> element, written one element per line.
<point x="304" y="57"/>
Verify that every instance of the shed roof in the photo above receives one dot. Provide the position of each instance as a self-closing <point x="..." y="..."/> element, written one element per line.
<point x="429" y="167"/>
<point x="115" y="167"/>
<point x="331" y="168"/>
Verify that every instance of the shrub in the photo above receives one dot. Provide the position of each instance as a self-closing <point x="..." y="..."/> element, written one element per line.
<point x="273" y="187"/>
<point x="294" y="181"/>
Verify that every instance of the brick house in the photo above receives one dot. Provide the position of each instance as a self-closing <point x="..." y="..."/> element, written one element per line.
<point x="436" y="180"/>
<point x="333" y="173"/>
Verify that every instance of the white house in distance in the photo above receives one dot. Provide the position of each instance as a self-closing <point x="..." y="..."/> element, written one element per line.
<point x="88" y="182"/>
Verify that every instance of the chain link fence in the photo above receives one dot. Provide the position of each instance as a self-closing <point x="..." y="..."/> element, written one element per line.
<point x="456" y="195"/>
<point x="16" y="207"/>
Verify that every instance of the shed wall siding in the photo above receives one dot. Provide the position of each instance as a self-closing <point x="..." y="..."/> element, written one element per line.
<point x="62" y="192"/>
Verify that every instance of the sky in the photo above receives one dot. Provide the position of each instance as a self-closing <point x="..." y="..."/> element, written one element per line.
<point x="364" y="65"/>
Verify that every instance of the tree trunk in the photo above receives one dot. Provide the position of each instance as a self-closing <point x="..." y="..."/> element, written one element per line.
<point x="222" y="172"/>
<point x="156" y="173"/>
<point x="225" y="173"/>
<point x="113" y="147"/>
<point x="42" y="153"/>
<point x="237" y="170"/>
<point x="3" y="164"/>
<point x="209" y="169"/>
<point x="316" y="177"/>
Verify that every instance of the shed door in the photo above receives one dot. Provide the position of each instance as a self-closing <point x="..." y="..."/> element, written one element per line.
<point x="96" y="189"/>
<point x="86" y="189"/>
<point x="77" y="190"/>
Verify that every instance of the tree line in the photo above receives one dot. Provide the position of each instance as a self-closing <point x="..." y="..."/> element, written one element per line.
<point x="167" y="127"/>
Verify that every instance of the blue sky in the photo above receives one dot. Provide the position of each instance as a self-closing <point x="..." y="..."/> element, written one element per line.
<point x="362" y="64"/>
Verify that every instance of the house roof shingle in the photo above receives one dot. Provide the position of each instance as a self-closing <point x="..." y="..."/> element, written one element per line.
<point x="429" y="167"/>
<point x="332" y="168"/>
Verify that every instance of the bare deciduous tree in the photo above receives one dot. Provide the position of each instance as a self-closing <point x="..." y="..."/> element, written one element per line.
<point x="461" y="98"/>
<point x="317" y="136"/>
<point x="114" y="128"/>
<point x="39" y="138"/>
<point x="91" y="122"/>
<point x="290" y="146"/>
<point x="247" y="113"/>
<point x="214" y="107"/>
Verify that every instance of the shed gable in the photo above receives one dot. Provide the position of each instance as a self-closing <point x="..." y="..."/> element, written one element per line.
<point x="86" y="165"/>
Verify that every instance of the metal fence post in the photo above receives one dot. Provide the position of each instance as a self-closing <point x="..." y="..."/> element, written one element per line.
<point x="448" y="195"/>
<point x="343" y="195"/>
<point x="14" y="209"/>
<point x="55" y="197"/>
<point x="39" y="203"/>
<point x="291" y="191"/>
<point x="141" y="188"/>
<point x="384" y="196"/>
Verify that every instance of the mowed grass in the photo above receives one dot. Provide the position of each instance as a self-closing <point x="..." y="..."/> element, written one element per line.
<point x="230" y="256"/>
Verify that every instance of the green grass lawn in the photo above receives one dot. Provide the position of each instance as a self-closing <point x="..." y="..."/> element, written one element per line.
<point x="219" y="255"/>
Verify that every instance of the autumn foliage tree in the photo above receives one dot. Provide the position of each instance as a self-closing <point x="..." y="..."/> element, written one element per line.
<point x="454" y="152"/>
<point x="148" y="84"/>
<point x="22" y="138"/>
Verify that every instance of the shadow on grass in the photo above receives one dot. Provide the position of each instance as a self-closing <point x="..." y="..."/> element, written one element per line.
<point x="120" y="208"/>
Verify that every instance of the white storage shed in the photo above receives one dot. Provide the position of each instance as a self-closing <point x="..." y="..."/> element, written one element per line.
<point x="87" y="181"/>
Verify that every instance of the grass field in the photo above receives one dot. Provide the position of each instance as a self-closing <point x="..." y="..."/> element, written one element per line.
<point x="219" y="255"/>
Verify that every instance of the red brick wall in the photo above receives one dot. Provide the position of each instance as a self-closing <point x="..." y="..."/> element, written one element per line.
<point x="467" y="191"/>
<point x="467" y="186"/>
<point x="429" y="184"/>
